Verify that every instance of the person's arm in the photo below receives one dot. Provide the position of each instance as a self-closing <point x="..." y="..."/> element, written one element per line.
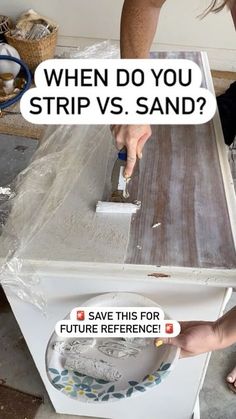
<point x="226" y="328"/>
<point x="197" y="337"/>
<point x="138" y="26"/>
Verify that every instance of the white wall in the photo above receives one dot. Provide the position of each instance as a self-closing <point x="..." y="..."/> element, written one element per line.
<point x="179" y="27"/>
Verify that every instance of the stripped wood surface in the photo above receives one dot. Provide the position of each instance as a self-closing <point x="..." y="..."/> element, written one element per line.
<point x="180" y="186"/>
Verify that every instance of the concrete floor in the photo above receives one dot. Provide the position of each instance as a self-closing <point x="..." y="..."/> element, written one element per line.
<point x="17" y="368"/>
<point x="15" y="154"/>
<point x="216" y="401"/>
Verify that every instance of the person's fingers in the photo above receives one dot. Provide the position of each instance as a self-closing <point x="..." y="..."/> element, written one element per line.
<point x="131" y="146"/>
<point x="119" y="141"/>
<point x="142" y="141"/>
<point x="185" y="354"/>
<point x="181" y="340"/>
<point x="131" y="137"/>
<point x="120" y="145"/>
<point x="177" y="341"/>
<point x="118" y="136"/>
<point x="231" y="378"/>
<point x="140" y="145"/>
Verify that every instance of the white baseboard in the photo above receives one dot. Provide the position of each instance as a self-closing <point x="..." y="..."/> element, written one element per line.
<point x="220" y="59"/>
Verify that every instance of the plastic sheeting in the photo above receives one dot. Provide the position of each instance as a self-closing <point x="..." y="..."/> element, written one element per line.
<point x="39" y="191"/>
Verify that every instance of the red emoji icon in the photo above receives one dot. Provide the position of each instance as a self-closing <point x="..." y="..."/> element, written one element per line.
<point x="80" y="315"/>
<point x="169" y="328"/>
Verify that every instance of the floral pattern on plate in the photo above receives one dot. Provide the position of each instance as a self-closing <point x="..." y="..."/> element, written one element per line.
<point x="140" y="370"/>
<point x="74" y="384"/>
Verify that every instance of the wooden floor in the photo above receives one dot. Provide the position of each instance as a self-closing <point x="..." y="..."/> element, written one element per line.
<point x="226" y="75"/>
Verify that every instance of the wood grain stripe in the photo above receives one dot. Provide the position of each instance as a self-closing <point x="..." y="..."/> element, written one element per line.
<point x="180" y="186"/>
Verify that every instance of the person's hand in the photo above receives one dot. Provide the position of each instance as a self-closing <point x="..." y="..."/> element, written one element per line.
<point x="133" y="137"/>
<point x="195" y="338"/>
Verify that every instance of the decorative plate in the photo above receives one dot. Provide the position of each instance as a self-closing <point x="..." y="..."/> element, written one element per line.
<point x="136" y="365"/>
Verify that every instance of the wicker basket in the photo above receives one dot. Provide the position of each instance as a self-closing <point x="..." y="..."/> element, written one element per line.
<point x="33" y="52"/>
<point x="5" y="24"/>
<point x="7" y="97"/>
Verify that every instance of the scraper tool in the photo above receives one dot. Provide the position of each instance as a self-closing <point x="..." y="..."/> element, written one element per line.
<point x="120" y="200"/>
